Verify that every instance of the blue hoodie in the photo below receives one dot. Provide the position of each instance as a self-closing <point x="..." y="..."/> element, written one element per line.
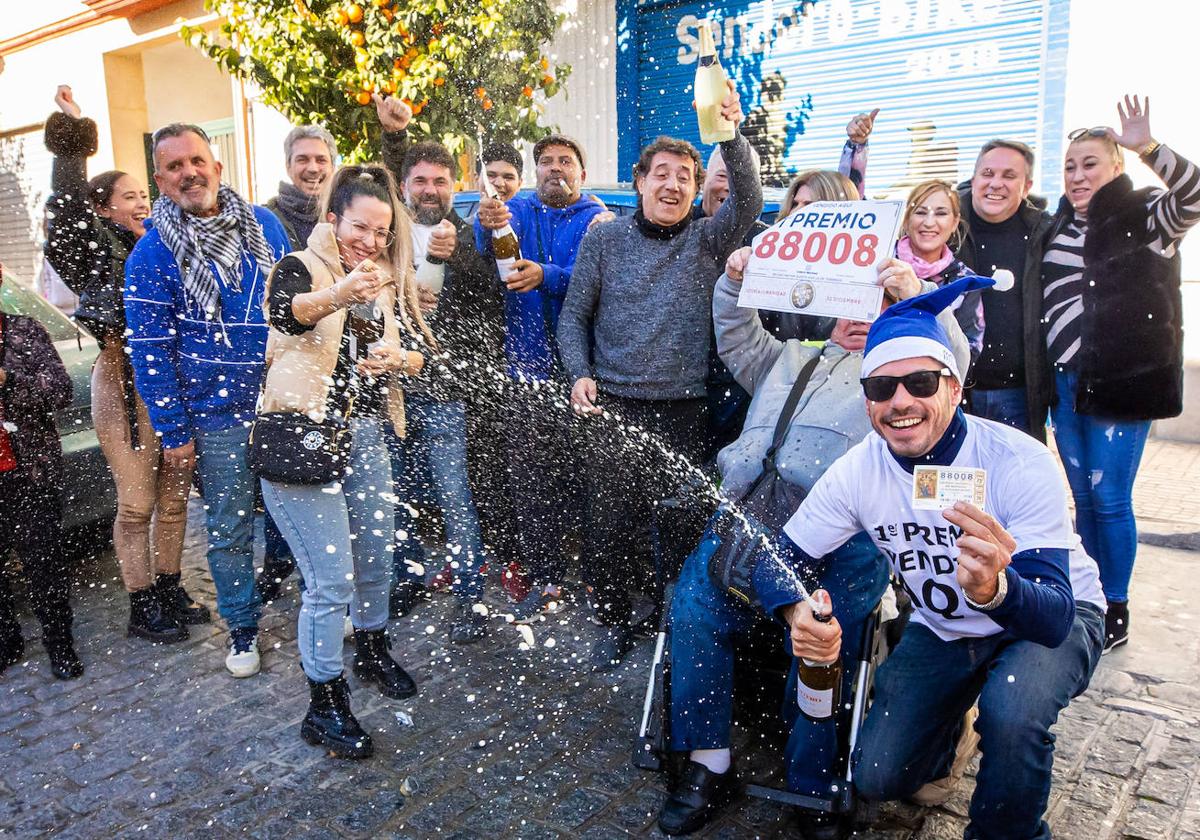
<point x="549" y="236"/>
<point x="195" y="375"/>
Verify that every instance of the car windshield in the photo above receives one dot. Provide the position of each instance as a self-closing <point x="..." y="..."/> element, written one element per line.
<point x="17" y="300"/>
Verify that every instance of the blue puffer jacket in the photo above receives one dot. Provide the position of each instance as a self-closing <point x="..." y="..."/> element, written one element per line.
<point x="549" y="236"/>
<point x="195" y="375"/>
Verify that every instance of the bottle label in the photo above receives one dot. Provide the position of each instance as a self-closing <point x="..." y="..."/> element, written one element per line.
<point x="506" y="266"/>
<point x="814" y="703"/>
<point x="503" y="232"/>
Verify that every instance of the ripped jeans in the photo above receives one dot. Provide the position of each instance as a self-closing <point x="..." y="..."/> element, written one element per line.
<point x="1101" y="457"/>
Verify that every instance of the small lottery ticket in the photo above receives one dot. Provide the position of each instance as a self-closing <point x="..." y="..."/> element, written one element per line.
<point x="937" y="488"/>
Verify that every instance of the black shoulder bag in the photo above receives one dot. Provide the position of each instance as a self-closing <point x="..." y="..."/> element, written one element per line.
<point x="760" y="512"/>
<point x="292" y="448"/>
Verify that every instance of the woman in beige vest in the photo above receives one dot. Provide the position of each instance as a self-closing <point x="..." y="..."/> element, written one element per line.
<point x="335" y="346"/>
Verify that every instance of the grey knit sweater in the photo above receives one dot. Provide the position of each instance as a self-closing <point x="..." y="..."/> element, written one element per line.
<point x="647" y="302"/>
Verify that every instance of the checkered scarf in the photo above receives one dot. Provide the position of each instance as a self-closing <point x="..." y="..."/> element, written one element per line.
<point x="194" y="240"/>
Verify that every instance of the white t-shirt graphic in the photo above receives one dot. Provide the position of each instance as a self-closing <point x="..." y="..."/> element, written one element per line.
<point x="868" y="490"/>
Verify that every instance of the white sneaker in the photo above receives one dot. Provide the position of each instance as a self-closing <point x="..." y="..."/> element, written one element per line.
<point x="242" y="659"/>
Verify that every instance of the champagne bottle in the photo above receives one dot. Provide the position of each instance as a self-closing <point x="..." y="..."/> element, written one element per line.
<point x="819" y="684"/>
<point x="505" y="245"/>
<point x="710" y="90"/>
<point x="366" y="327"/>
<point x="431" y="273"/>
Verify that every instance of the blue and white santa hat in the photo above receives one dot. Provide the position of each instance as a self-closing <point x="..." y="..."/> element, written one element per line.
<point x="909" y="329"/>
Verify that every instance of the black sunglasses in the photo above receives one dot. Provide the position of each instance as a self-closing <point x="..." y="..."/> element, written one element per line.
<point x="919" y="383"/>
<point x="1079" y="133"/>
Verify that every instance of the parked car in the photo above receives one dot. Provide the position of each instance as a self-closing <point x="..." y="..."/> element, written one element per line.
<point x="88" y="494"/>
<point x="621" y="199"/>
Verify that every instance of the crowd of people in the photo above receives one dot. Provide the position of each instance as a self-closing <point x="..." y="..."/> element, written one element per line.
<point x="355" y="355"/>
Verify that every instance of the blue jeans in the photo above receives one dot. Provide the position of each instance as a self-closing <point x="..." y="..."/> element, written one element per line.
<point x="342" y="540"/>
<point x="1009" y="406"/>
<point x="706" y="624"/>
<point x="229" y="500"/>
<point x="926" y="686"/>
<point x="1101" y="458"/>
<point x="431" y="462"/>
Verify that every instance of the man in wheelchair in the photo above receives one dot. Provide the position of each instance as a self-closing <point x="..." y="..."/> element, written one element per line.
<point x="824" y="420"/>
<point x="1008" y="610"/>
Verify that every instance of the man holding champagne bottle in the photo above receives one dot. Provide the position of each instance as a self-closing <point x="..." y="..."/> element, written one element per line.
<point x="1008" y="610"/>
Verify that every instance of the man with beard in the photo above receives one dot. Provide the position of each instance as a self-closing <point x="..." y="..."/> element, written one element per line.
<point x="197" y="336"/>
<point x="549" y="225"/>
<point x="309" y="152"/>
<point x="464" y="316"/>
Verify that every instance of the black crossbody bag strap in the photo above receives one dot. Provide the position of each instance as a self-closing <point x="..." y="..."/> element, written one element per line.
<point x="784" y="421"/>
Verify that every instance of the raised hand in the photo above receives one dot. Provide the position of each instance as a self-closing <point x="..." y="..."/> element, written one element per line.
<point x="65" y="100"/>
<point x="984" y="550"/>
<point x="735" y="265"/>
<point x="1135" y="124"/>
<point x="394" y="114"/>
<point x="860" y="126"/>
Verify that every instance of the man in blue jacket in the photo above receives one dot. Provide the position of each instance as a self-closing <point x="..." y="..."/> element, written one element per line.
<point x="193" y="302"/>
<point x="549" y="225"/>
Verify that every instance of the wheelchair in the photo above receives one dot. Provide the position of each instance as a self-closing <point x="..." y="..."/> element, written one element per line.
<point x="769" y="665"/>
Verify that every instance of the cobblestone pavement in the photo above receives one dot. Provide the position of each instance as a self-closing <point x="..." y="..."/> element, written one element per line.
<point x="158" y="741"/>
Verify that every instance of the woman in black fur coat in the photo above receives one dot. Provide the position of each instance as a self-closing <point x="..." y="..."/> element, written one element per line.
<point x="1113" y="319"/>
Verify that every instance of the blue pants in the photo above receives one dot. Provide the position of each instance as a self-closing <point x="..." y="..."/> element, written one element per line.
<point x="229" y="499"/>
<point x="706" y="624"/>
<point x="342" y="539"/>
<point x="1009" y="406"/>
<point x="926" y="686"/>
<point x="1101" y="458"/>
<point x="431" y="461"/>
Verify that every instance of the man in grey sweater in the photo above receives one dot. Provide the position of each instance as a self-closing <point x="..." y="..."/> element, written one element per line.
<point x="634" y="337"/>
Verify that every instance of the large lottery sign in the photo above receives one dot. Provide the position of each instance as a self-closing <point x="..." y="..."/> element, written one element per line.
<point x="822" y="260"/>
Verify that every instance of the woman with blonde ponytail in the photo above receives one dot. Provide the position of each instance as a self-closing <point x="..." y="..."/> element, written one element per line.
<point x="341" y="313"/>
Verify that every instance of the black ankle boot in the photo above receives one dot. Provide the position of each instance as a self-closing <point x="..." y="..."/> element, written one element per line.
<point x="12" y="646"/>
<point x="178" y="603"/>
<point x="373" y="663"/>
<point x="64" y="662"/>
<point x="697" y="797"/>
<point x="275" y="571"/>
<point x="1116" y="625"/>
<point x="150" y="619"/>
<point x="330" y="722"/>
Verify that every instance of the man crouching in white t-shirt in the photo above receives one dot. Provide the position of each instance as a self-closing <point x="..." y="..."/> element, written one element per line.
<point x="1008" y="609"/>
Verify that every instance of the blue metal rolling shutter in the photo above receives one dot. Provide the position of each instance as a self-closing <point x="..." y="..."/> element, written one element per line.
<point x="947" y="74"/>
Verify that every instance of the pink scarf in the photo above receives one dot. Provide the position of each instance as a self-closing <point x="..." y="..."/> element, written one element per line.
<point x="922" y="268"/>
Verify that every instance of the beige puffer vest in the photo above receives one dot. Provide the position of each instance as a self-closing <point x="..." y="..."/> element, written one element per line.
<point x="300" y="367"/>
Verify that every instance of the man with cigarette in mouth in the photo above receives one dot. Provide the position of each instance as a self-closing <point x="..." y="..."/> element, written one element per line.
<point x="549" y="226"/>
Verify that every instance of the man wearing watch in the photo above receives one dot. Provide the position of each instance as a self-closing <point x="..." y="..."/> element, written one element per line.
<point x="1008" y="609"/>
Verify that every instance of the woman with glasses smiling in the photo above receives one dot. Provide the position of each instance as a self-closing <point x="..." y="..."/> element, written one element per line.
<point x="334" y="351"/>
<point x="1113" y="317"/>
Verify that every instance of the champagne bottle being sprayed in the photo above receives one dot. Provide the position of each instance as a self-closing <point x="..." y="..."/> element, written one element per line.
<point x="710" y="90"/>
<point x="505" y="246"/>
<point x="819" y="684"/>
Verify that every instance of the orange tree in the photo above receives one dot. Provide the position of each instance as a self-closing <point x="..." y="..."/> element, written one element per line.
<point x="467" y="68"/>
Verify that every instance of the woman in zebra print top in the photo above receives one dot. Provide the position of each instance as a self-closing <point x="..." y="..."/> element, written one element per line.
<point x="1112" y="314"/>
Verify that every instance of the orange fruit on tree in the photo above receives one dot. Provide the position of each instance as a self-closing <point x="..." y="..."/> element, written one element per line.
<point x="480" y="93"/>
<point x="354" y="13"/>
<point x="341" y="17"/>
<point x="439" y="81"/>
<point x="545" y="64"/>
<point x="437" y="28"/>
<point x="361" y="59"/>
<point x="527" y="92"/>
<point x="388" y="14"/>
<point x="380" y="4"/>
<point x="547" y="80"/>
<point x="388" y="87"/>
<point x="363" y="97"/>
<point x="487" y="104"/>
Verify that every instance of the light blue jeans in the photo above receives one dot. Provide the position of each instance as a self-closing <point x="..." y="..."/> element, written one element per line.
<point x="431" y="463"/>
<point x="229" y="498"/>
<point x="1101" y="459"/>
<point x="342" y="538"/>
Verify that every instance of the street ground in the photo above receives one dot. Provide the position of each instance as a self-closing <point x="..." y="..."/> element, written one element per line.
<point x="507" y="740"/>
